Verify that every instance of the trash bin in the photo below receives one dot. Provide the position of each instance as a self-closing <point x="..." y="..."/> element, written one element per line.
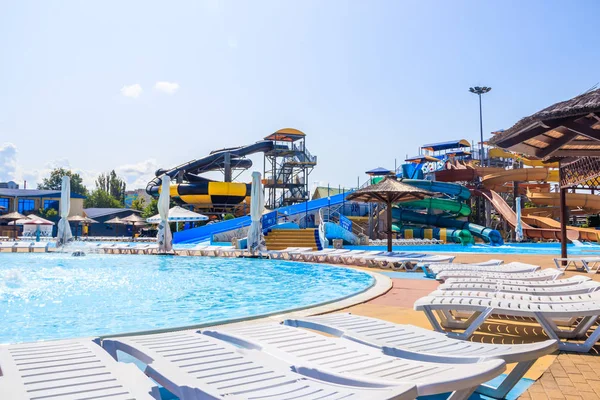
<point x="338" y="243"/>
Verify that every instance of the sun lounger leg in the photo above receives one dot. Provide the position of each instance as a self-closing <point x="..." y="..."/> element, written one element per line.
<point x="461" y="394"/>
<point x="584" y="326"/>
<point x="433" y="321"/>
<point x="508" y="383"/>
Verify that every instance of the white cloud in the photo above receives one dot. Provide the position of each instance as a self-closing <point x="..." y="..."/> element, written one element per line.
<point x="134" y="91"/>
<point x="8" y="162"/>
<point x="139" y="174"/>
<point x="167" y="87"/>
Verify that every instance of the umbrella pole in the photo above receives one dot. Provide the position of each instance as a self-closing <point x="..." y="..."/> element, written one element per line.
<point x="389" y="225"/>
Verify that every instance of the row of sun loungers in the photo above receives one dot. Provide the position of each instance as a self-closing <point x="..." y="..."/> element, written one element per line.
<point x="335" y="356"/>
<point x="567" y="309"/>
<point x="23" y="247"/>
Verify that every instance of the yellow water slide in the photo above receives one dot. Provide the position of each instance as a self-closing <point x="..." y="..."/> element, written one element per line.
<point x="588" y="201"/>
<point x="500" y="153"/>
<point x="544" y="222"/>
<point x="520" y="175"/>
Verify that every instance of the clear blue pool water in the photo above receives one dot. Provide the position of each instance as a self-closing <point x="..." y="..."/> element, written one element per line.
<point x="52" y="296"/>
<point x="509" y="248"/>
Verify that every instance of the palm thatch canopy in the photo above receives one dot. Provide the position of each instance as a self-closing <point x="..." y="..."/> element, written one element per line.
<point x="133" y="219"/>
<point x="389" y="191"/>
<point x="115" y="221"/>
<point x="567" y="129"/>
<point x="13" y="216"/>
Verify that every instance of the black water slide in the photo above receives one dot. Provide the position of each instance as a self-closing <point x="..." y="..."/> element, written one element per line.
<point x="226" y="159"/>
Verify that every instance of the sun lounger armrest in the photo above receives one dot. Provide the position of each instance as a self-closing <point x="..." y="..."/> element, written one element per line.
<point x="178" y="382"/>
<point x="332" y="377"/>
<point x="314" y="325"/>
<point x="418" y="356"/>
<point x="234" y="339"/>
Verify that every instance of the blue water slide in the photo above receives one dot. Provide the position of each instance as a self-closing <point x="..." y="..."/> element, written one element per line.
<point x="205" y="232"/>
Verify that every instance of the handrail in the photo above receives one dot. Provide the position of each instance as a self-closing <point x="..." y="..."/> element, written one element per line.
<point x="322" y="238"/>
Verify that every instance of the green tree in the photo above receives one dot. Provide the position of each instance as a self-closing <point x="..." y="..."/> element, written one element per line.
<point x="47" y="213"/>
<point x="138" y="204"/>
<point x="151" y="209"/>
<point x="101" y="199"/>
<point x="54" y="181"/>
<point x="112" y="185"/>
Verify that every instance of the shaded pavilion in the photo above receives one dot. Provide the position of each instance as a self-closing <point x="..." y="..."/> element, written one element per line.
<point x="567" y="133"/>
<point x="389" y="191"/>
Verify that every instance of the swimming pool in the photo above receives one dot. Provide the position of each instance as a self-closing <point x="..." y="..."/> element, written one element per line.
<point x="52" y="296"/>
<point x="508" y="248"/>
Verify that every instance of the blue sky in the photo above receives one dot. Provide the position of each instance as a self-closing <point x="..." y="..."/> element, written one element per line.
<point x="367" y="81"/>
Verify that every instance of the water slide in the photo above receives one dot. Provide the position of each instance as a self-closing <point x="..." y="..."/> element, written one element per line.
<point x="450" y="206"/>
<point x="500" y="153"/>
<point x="200" y="191"/>
<point x="520" y="175"/>
<point x="545" y="222"/>
<point x="509" y="215"/>
<point x="204" y="233"/>
<point x="458" y="191"/>
<point x="588" y="201"/>
<point x="488" y="235"/>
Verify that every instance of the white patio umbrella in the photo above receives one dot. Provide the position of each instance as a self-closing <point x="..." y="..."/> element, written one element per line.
<point x="64" y="229"/>
<point x="255" y="235"/>
<point x="165" y="239"/>
<point x="519" y="227"/>
<point x="178" y="214"/>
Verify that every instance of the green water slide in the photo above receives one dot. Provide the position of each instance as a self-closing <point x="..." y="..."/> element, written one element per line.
<point x="457" y="207"/>
<point x="451" y="206"/>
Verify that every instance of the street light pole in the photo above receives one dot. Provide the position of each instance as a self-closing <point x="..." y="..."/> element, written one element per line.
<point x="479" y="90"/>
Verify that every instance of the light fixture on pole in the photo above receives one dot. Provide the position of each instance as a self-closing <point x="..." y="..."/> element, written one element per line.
<point x="479" y="90"/>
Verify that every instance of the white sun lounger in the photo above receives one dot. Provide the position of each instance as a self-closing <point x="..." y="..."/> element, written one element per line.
<point x="193" y="251"/>
<point x="22" y="247"/>
<point x="579" y="317"/>
<point x="581" y="287"/>
<point x="354" y="360"/>
<point x="408" y="341"/>
<point x="411" y="262"/>
<point x="284" y="254"/>
<point x="346" y="258"/>
<point x="547" y="274"/>
<point x="572" y="280"/>
<point x="362" y="258"/>
<point x="213" y="251"/>
<point x="39" y="247"/>
<point x="311" y="256"/>
<point x="527" y="297"/>
<point x="144" y="248"/>
<point x="69" y="369"/>
<point x="510" y="268"/>
<point x="591" y="265"/>
<point x="194" y="366"/>
<point x="7" y="246"/>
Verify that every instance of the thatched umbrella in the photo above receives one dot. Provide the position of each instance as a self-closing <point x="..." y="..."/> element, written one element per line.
<point x="13" y="216"/>
<point x="115" y="221"/>
<point x="81" y="220"/>
<point x="389" y="191"/>
<point x="134" y="220"/>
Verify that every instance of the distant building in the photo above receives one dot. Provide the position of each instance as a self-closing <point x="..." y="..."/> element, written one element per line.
<point x="30" y="201"/>
<point x="104" y="214"/>
<point x="131" y="195"/>
<point x="9" y="185"/>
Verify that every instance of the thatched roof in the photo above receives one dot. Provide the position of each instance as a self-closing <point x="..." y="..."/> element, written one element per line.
<point x="133" y="219"/>
<point x="12" y="216"/>
<point x="566" y="129"/>
<point x="389" y="190"/>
